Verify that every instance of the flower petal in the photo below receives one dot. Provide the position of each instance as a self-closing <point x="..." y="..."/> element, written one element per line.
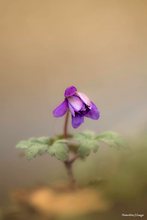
<point x="77" y="121"/>
<point x="75" y="102"/>
<point x="71" y="109"/>
<point x="84" y="98"/>
<point x="61" y="109"/>
<point x="93" y="112"/>
<point x="70" y="91"/>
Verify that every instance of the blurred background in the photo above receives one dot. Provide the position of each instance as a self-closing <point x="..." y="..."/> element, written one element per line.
<point x="100" y="46"/>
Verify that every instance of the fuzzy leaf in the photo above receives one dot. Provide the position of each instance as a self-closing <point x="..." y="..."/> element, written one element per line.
<point x="111" y="138"/>
<point x="42" y="140"/>
<point x="24" y="145"/>
<point x="59" y="149"/>
<point x="34" y="147"/>
<point x="87" y="143"/>
<point x="35" y="150"/>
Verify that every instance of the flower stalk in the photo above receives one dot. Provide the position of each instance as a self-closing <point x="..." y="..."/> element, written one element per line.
<point x="65" y="132"/>
<point x="69" y="168"/>
<point x="69" y="163"/>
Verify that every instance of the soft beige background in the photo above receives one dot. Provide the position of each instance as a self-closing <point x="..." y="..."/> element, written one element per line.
<point x="100" y="46"/>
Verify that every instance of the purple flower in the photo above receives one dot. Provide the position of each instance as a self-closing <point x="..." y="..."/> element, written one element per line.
<point x="79" y="105"/>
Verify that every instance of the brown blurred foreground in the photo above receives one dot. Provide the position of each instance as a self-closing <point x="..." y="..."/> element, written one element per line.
<point x="52" y="203"/>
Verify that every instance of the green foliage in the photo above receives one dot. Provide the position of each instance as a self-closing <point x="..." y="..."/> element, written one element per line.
<point x="34" y="147"/>
<point x="90" y="142"/>
<point x="59" y="149"/>
<point x="87" y="143"/>
<point x="83" y="144"/>
<point x="111" y="138"/>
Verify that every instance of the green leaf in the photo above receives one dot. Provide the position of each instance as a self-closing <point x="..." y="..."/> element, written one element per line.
<point x="87" y="143"/>
<point x="42" y="140"/>
<point x="34" y="147"/>
<point x="113" y="139"/>
<point x="59" y="149"/>
<point x="24" y="145"/>
<point x="35" y="150"/>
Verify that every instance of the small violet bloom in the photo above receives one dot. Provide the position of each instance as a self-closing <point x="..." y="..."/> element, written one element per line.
<point x="79" y="105"/>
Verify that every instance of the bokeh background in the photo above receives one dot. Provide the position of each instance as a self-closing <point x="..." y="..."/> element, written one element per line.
<point x="100" y="46"/>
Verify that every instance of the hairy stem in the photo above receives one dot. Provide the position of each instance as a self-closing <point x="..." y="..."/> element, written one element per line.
<point x="65" y="133"/>
<point x="69" y="163"/>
